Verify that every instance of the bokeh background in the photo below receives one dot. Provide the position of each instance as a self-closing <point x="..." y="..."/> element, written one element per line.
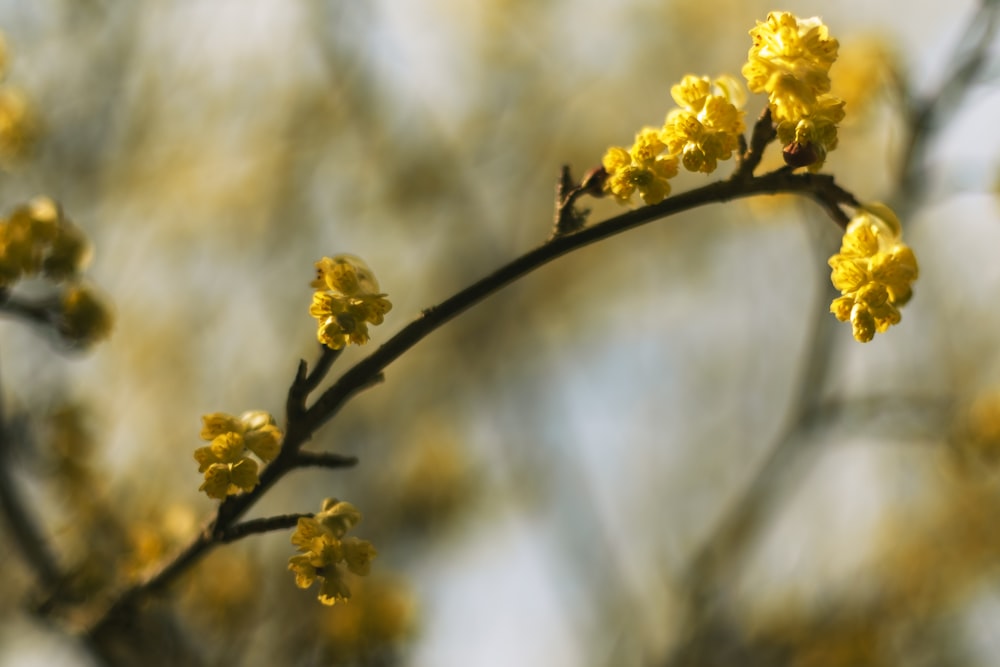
<point x="660" y="450"/>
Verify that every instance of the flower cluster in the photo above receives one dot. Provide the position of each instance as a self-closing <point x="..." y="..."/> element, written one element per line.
<point x="640" y="168"/>
<point x="228" y="470"/>
<point x="346" y="301"/>
<point x="707" y="126"/>
<point x="790" y="60"/>
<point x="874" y="271"/>
<point x="36" y="240"/>
<point x="323" y="545"/>
<point x="703" y="130"/>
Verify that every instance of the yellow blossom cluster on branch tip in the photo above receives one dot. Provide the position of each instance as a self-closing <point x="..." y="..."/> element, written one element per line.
<point x="228" y="470"/>
<point x="790" y="60"/>
<point x="874" y="271"/>
<point x="323" y="546"/>
<point x="346" y="301"/>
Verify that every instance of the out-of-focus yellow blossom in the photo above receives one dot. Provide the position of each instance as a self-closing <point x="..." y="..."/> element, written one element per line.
<point x="707" y="126"/>
<point x="84" y="317"/>
<point x="36" y="238"/>
<point x="864" y="69"/>
<point x="790" y="60"/>
<point x="808" y="139"/>
<point x="323" y="545"/>
<point x="228" y="470"/>
<point x="977" y="436"/>
<point x="382" y="612"/>
<point x="18" y="121"/>
<point x="18" y="124"/>
<point x="346" y="301"/>
<point x="641" y="168"/>
<point x="874" y="271"/>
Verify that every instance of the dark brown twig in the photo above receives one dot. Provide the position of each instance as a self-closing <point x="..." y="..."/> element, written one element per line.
<point x="324" y="460"/>
<point x="750" y="156"/>
<point x="259" y="526"/>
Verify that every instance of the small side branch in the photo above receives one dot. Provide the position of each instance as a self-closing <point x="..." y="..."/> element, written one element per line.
<point x="568" y="218"/>
<point x="306" y="381"/>
<point x="259" y="526"/>
<point x="324" y="460"/>
<point x="763" y="133"/>
<point x="37" y="313"/>
<point x="24" y="528"/>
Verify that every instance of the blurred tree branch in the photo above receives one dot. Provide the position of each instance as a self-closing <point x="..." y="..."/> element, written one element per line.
<point x="924" y="115"/>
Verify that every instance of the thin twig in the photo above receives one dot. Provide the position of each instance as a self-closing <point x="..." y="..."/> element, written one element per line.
<point x="39" y="313"/>
<point x="259" y="526"/>
<point x="305" y="382"/>
<point x="25" y="529"/>
<point x="324" y="460"/>
<point x="750" y="156"/>
<point x="568" y="218"/>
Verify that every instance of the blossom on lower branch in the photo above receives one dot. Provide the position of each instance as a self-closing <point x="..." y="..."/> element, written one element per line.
<point x="346" y="301"/>
<point x="228" y="470"/>
<point x="321" y="540"/>
<point x="874" y="271"/>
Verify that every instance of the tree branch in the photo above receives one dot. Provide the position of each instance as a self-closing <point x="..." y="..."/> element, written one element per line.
<point x="324" y="460"/>
<point x="819" y="187"/>
<point x="368" y="372"/>
<point x="24" y="528"/>
<point x="259" y="526"/>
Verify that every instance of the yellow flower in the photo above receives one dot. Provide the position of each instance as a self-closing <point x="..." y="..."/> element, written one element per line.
<point x="338" y="517"/>
<point x="18" y="124"/>
<point x="347" y="300"/>
<point x="358" y="555"/>
<point x="790" y="60"/>
<point x="707" y="126"/>
<point x="226" y="479"/>
<point x="874" y="271"/>
<point x="808" y="139"/>
<point x="85" y="318"/>
<point x="641" y="168"/>
<point x="320" y="539"/>
<point x="38" y="239"/>
<point x="228" y="470"/>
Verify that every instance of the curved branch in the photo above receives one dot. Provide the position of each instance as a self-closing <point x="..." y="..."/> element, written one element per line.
<point x="819" y="187"/>
<point x="302" y="425"/>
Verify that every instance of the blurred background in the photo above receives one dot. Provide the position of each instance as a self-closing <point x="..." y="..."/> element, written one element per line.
<point x="659" y="450"/>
